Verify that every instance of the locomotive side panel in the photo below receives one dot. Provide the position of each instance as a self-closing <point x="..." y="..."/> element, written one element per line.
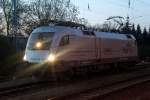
<point x="124" y="49"/>
<point x="98" y="48"/>
<point x="112" y="50"/>
<point x="133" y="51"/>
<point x="115" y="50"/>
<point x="78" y="49"/>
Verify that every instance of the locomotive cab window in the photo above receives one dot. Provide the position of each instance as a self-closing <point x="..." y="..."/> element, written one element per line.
<point x="40" y="41"/>
<point x="64" y="41"/>
<point x="128" y="36"/>
<point x="90" y="33"/>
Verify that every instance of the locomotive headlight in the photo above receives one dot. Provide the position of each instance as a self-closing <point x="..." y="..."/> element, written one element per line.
<point x="38" y="45"/>
<point x="24" y="58"/>
<point x="51" y="58"/>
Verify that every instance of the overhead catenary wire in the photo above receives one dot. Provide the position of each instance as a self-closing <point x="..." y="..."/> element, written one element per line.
<point x="129" y="6"/>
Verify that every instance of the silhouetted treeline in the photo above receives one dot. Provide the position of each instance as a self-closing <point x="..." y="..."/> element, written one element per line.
<point x="32" y="13"/>
<point x="142" y="35"/>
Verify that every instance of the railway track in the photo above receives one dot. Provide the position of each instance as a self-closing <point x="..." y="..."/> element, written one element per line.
<point x="16" y="86"/>
<point x="93" y="94"/>
<point x="83" y="89"/>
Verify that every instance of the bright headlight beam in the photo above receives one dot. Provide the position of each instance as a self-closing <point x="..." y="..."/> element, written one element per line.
<point x="38" y="44"/>
<point x="24" y="58"/>
<point x="51" y="58"/>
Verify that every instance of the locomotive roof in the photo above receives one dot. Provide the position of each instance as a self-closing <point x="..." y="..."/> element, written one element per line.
<point x="46" y="29"/>
<point x="79" y="32"/>
<point x="57" y="29"/>
<point x="111" y="35"/>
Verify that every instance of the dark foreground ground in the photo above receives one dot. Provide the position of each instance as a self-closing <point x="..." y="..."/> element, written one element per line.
<point x="137" y="92"/>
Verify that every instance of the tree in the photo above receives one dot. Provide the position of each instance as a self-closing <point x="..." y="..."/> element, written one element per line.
<point x="138" y="32"/>
<point x="43" y="12"/>
<point x="126" y="29"/>
<point x="144" y="35"/>
<point x="133" y="31"/>
<point x="110" y="26"/>
<point x="148" y="36"/>
<point x="6" y="7"/>
<point x="1" y="24"/>
<point x="7" y="14"/>
<point x="144" y="32"/>
<point x="38" y="12"/>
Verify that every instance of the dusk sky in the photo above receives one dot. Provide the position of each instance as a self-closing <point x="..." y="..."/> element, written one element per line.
<point x="100" y="10"/>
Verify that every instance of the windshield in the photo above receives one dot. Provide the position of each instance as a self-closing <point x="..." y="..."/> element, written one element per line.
<point x="40" y="41"/>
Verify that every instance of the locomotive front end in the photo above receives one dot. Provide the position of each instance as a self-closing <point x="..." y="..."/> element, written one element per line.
<point x="38" y="49"/>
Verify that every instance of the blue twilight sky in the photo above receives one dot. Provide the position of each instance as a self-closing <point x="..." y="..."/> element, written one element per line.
<point x="100" y="10"/>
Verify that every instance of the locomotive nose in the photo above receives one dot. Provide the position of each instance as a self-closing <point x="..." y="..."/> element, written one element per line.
<point x="39" y="56"/>
<point x="36" y="56"/>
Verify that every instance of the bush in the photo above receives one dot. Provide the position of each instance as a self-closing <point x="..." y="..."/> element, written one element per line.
<point x="9" y="58"/>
